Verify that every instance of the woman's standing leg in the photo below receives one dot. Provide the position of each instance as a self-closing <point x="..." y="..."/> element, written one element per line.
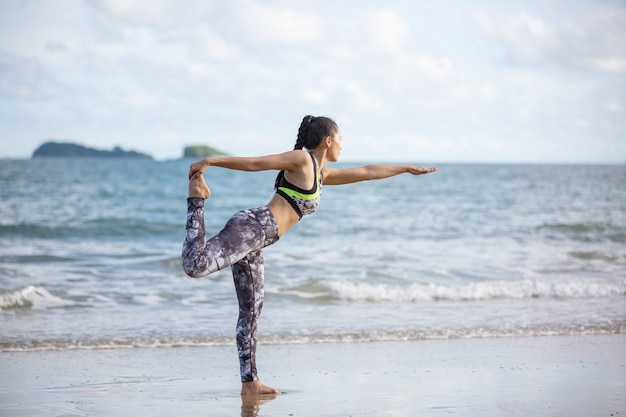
<point x="248" y="275"/>
<point x="249" y="279"/>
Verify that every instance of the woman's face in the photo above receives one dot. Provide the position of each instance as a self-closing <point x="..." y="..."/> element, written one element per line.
<point x="335" y="147"/>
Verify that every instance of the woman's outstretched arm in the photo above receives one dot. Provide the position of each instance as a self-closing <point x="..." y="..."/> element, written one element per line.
<point x="333" y="176"/>
<point x="288" y="161"/>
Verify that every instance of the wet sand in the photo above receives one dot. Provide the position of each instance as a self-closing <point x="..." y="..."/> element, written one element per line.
<point x="532" y="376"/>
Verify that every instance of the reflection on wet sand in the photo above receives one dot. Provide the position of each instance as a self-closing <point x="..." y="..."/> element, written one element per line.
<point x="251" y="404"/>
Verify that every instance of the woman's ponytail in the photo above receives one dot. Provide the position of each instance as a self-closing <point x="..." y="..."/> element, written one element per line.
<point x="303" y="132"/>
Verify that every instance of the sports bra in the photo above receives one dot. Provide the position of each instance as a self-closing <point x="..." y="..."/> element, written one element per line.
<point x="303" y="201"/>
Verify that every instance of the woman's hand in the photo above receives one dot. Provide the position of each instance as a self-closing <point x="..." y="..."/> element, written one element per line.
<point x="197" y="168"/>
<point x="421" y="170"/>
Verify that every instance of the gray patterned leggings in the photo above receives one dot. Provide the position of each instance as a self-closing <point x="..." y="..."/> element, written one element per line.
<point x="239" y="246"/>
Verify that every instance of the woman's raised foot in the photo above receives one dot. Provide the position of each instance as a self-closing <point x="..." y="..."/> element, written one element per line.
<point x="199" y="188"/>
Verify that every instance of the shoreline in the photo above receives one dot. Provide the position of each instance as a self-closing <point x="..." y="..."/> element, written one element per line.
<point x="526" y="376"/>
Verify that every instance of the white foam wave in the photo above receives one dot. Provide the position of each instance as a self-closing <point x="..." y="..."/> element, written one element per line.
<point x="36" y="298"/>
<point x="108" y="344"/>
<point x="476" y="291"/>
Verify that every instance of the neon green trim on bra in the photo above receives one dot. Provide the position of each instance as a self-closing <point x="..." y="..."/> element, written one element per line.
<point x="300" y="196"/>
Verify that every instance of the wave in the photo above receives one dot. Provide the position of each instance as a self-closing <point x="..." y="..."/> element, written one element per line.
<point x="38" y="298"/>
<point x="478" y="291"/>
<point x="35" y="230"/>
<point x="588" y="232"/>
<point x="32" y="259"/>
<point x="317" y="338"/>
<point x="130" y="343"/>
<point x="102" y="227"/>
<point x="31" y="297"/>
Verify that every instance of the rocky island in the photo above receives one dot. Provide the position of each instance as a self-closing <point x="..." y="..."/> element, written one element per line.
<point x="54" y="149"/>
<point x="200" y="151"/>
<point x="58" y="149"/>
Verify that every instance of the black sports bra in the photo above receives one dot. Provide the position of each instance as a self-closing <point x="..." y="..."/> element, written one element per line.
<point x="303" y="201"/>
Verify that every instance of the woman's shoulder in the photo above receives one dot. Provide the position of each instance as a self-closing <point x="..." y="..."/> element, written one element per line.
<point x="301" y="158"/>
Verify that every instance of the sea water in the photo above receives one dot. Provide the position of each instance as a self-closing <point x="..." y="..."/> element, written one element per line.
<point x="90" y="256"/>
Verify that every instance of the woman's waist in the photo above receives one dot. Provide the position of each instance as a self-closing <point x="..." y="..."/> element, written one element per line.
<point x="283" y="212"/>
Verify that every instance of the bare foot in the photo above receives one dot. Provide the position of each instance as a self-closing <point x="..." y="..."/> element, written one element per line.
<point x="198" y="188"/>
<point x="256" y="388"/>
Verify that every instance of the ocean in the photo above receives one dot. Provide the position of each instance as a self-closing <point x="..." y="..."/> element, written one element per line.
<point x="90" y="256"/>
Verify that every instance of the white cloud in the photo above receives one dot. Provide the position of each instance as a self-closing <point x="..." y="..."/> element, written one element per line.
<point x="591" y="38"/>
<point x="265" y="23"/>
<point x="157" y="11"/>
<point x="387" y="32"/>
<point x="614" y="64"/>
<point x="217" y="47"/>
<point x="613" y="105"/>
<point x="314" y="96"/>
<point x="489" y="91"/>
<point x="440" y="69"/>
<point x="529" y="39"/>
<point x="582" y="123"/>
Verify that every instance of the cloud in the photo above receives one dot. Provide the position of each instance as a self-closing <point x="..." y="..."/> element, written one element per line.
<point x="530" y="40"/>
<point x="274" y="24"/>
<point x="386" y="32"/>
<point x="156" y="13"/>
<point x="20" y="77"/>
<point x="591" y="39"/>
<point x="440" y="69"/>
<point x="209" y="45"/>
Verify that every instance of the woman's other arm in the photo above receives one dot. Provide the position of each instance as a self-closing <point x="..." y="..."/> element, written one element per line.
<point x="333" y="176"/>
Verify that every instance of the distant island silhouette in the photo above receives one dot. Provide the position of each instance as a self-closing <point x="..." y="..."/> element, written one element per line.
<point x="59" y="149"/>
<point x="72" y="150"/>
<point x="200" y="151"/>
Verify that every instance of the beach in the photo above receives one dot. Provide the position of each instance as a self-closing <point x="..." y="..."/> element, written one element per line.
<point x="526" y="376"/>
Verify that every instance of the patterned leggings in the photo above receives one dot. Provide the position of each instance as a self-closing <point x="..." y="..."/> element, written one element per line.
<point x="239" y="246"/>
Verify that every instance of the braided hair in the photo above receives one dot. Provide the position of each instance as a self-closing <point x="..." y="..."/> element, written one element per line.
<point x="310" y="134"/>
<point x="312" y="130"/>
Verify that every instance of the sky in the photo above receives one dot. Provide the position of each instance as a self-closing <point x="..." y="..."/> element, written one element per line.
<point x="406" y="80"/>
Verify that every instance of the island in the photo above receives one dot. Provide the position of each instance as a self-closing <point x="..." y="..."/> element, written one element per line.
<point x="59" y="149"/>
<point x="201" y="151"/>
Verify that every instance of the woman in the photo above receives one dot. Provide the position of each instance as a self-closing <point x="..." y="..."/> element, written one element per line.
<point x="239" y="244"/>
